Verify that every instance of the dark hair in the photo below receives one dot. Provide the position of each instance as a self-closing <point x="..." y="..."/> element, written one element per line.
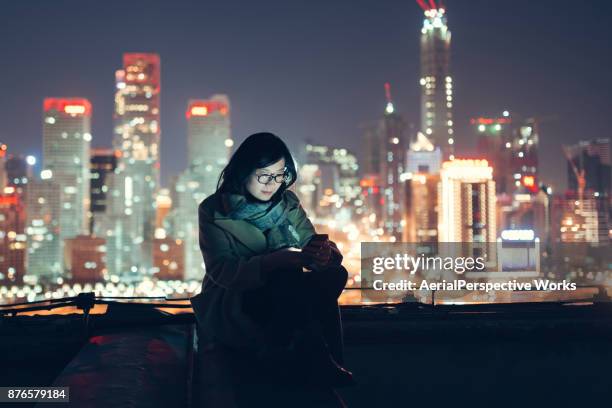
<point x="257" y="151"/>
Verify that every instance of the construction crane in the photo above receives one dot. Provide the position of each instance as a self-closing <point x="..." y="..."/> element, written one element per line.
<point x="579" y="173"/>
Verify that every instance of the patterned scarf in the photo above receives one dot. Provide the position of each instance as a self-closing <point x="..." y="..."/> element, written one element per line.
<point x="270" y="217"/>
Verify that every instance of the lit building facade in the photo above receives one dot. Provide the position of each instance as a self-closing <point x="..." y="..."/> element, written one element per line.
<point x="335" y="180"/>
<point x="44" y="215"/>
<point x="423" y="156"/>
<point x="12" y="236"/>
<point x="436" y="81"/>
<point x="103" y="162"/>
<point x="209" y="139"/>
<point x="421" y="212"/>
<point x="510" y="144"/>
<point x="210" y="143"/>
<point x="592" y="156"/>
<point x="129" y="222"/>
<point x="58" y="204"/>
<point x="66" y="154"/>
<point x="576" y="222"/>
<point x="168" y="256"/>
<point x="393" y="137"/>
<point x="466" y="202"/>
<point x="84" y="257"/>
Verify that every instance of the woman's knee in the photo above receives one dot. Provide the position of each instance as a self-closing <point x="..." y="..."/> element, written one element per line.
<point x="333" y="279"/>
<point x="341" y="275"/>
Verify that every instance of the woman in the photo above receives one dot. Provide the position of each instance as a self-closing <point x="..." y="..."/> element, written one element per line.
<point x="256" y="241"/>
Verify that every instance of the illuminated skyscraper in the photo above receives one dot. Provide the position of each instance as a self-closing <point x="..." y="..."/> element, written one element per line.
<point x="12" y="236"/>
<point x="103" y="163"/>
<point x="510" y="144"/>
<point x="423" y="156"/>
<point x="436" y="81"/>
<point x="66" y="141"/>
<point x="336" y="173"/>
<point x="43" y="222"/>
<point x="209" y="143"/>
<point x="466" y="202"/>
<point x="421" y="211"/>
<point x="392" y="129"/>
<point x="130" y="217"/>
<point x="592" y="156"/>
<point x="209" y="139"/>
<point x="58" y="205"/>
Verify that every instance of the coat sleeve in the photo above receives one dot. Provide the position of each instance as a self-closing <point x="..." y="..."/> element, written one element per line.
<point x="300" y="221"/>
<point x="336" y="255"/>
<point x="223" y="265"/>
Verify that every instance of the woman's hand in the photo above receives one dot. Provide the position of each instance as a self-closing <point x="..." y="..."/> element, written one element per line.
<point x="283" y="258"/>
<point x="319" y="252"/>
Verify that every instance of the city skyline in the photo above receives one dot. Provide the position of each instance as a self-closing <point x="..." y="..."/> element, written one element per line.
<point x="290" y="109"/>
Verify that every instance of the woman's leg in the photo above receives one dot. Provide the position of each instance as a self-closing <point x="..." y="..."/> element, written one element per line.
<point x="329" y="283"/>
<point x="292" y="299"/>
<point x="280" y="306"/>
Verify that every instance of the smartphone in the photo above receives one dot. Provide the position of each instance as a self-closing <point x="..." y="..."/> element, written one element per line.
<point x="319" y="237"/>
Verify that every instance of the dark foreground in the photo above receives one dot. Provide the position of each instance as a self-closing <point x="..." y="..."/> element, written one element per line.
<point x="546" y="354"/>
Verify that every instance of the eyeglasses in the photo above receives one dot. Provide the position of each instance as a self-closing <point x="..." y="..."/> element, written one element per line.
<point x="278" y="178"/>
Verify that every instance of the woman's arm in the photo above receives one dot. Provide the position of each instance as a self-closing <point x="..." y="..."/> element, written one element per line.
<point x="299" y="219"/>
<point x="223" y="265"/>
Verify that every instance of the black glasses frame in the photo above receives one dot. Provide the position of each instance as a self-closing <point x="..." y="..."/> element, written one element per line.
<point x="278" y="178"/>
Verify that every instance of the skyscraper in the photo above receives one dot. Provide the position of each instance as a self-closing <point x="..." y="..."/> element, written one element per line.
<point x="466" y="202"/>
<point x="510" y="145"/>
<point x="209" y="144"/>
<point x="421" y="210"/>
<point x="592" y="156"/>
<point x="130" y="219"/>
<point x="436" y="81"/>
<point x="58" y="205"/>
<point x="103" y="163"/>
<point x="66" y="141"/>
<point x="12" y="236"/>
<point x="393" y="138"/>
<point x="209" y="139"/>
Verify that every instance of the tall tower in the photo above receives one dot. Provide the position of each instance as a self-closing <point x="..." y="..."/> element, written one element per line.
<point x="466" y="202"/>
<point x="392" y="130"/>
<point x="209" y="139"/>
<point x="132" y="212"/>
<point x="209" y="144"/>
<point x="66" y="141"/>
<point x="436" y="81"/>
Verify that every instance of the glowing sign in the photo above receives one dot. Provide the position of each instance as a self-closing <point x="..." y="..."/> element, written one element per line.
<point x="74" y="109"/>
<point x="69" y="106"/>
<point x="518" y="235"/>
<point x="203" y="107"/>
<point x="199" y="111"/>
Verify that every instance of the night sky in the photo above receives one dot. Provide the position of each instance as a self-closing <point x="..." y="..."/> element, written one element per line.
<point x="310" y="69"/>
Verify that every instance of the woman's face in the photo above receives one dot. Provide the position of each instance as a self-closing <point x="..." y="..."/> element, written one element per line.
<point x="265" y="191"/>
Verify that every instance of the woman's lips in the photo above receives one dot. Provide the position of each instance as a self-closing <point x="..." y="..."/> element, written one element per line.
<point x="266" y="192"/>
